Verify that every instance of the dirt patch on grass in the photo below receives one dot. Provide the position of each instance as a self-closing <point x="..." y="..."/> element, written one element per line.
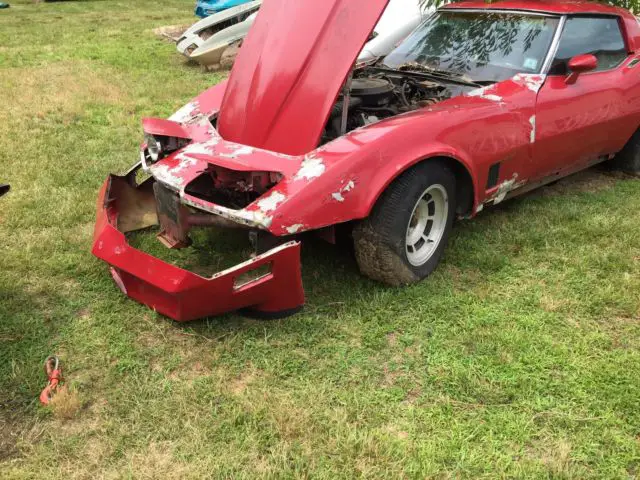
<point x="292" y="423"/>
<point x="555" y="303"/>
<point x="620" y="331"/>
<point x="171" y="33"/>
<point x="8" y="447"/>
<point x="412" y="396"/>
<point x="393" y="431"/>
<point x="556" y="458"/>
<point x="158" y="462"/>
<point x="390" y="377"/>
<point x="63" y="88"/>
<point x="240" y="384"/>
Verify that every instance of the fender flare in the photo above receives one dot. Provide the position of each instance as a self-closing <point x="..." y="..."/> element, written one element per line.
<point x="380" y="184"/>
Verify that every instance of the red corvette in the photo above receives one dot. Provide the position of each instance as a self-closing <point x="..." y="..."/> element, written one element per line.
<point x="480" y="103"/>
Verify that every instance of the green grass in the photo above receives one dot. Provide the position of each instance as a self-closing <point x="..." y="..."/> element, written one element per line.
<point x="518" y="358"/>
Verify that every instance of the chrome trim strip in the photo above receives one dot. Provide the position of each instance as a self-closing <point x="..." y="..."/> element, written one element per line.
<point x="553" y="48"/>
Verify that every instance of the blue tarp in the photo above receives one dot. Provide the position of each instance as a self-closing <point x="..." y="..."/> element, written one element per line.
<point x="204" y="8"/>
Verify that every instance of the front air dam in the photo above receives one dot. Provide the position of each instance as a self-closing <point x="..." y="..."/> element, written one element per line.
<point x="268" y="285"/>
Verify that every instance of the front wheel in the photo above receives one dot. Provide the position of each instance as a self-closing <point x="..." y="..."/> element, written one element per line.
<point x="403" y="239"/>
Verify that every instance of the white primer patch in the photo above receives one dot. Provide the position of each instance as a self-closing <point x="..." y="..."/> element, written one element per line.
<point x="532" y="121"/>
<point x="339" y="195"/>
<point x="198" y="148"/>
<point x="531" y="81"/>
<point x="185" y="113"/>
<point x="483" y="93"/>
<point x="271" y="202"/>
<point x="311" y="167"/>
<point x="240" y="150"/>
<point x="170" y="175"/>
<point x="506" y="187"/>
<point x="252" y="217"/>
<point x="294" y="228"/>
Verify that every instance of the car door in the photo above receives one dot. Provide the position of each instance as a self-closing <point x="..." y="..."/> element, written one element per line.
<point x="578" y="123"/>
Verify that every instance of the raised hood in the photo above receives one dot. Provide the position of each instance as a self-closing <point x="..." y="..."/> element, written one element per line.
<point x="290" y="69"/>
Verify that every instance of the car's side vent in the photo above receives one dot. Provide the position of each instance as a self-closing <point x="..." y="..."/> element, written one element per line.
<point x="494" y="174"/>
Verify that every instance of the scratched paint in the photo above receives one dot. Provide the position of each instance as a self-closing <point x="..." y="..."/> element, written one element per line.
<point x="531" y="81"/>
<point x="250" y="217"/>
<point x="339" y="195"/>
<point x="186" y="113"/>
<point x="239" y="151"/>
<point x="270" y="202"/>
<point x="506" y="187"/>
<point x="199" y="148"/>
<point x="170" y="176"/>
<point x="310" y="168"/>
<point x="532" y="121"/>
<point x="484" y="92"/>
<point x="294" y="228"/>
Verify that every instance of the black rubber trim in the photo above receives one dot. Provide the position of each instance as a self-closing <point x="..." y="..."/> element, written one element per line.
<point x="494" y="175"/>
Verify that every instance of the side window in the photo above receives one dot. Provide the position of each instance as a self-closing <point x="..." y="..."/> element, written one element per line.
<point x="599" y="36"/>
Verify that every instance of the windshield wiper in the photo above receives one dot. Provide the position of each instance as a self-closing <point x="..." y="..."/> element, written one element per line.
<point x="418" y="67"/>
<point x="433" y="73"/>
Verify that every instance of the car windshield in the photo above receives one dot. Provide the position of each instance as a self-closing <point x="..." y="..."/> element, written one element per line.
<point x="483" y="46"/>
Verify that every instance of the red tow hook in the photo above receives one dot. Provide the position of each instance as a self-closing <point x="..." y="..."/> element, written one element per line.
<point x="54" y="373"/>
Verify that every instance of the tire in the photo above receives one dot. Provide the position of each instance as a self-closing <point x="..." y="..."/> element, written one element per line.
<point x="628" y="159"/>
<point x="384" y="242"/>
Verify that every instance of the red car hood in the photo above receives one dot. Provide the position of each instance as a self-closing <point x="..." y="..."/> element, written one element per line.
<point x="290" y="70"/>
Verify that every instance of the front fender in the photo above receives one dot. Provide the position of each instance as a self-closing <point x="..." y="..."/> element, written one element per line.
<point x="358" y="167"/>
<point x="404" y="162"/>
<point x="347" y="189"/>
<point x="352" y="172"/>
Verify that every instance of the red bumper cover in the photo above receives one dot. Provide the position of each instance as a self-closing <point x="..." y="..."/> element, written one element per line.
<point x="178" y="293"/>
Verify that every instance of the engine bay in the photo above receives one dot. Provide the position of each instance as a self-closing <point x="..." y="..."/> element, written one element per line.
<point x="375" y="93"/>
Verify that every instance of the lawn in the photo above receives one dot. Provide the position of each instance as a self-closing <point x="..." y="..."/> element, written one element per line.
<point x="520" y="357"/>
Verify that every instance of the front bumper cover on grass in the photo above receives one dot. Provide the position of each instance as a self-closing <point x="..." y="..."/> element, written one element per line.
<point x="178" y="293"/>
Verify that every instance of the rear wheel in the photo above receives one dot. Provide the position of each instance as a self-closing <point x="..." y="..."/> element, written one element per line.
<point x="403" y="239"/>
<point x="628" y="159"/>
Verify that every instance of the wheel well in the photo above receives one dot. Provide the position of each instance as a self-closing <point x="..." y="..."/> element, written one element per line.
<point x="464" y="185"/>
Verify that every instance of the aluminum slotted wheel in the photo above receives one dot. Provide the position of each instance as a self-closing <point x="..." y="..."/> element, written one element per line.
<point x="427" y="225"/>
<point x="404" y="237"/>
